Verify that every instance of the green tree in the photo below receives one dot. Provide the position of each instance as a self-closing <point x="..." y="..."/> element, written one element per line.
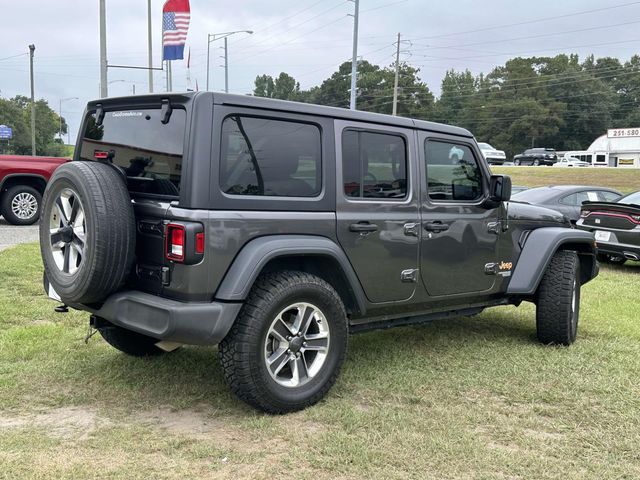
<point x="16" y="113"/>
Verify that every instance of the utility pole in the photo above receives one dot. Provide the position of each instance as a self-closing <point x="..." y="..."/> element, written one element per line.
<point x="212" y="37"/>
<point x="395" y="84"/>
<point x="150" y="42"/>
<point x="354" y="59"/>
<point x="104" y="91"/>
<point x="226" y="66"/>
<point x="32" y="48"/>
<point x="62" y="100"/>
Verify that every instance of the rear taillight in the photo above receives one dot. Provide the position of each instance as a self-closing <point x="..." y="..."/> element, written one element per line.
<point x="175" y="242"/>
<point x="584" y="214"/>
<point x="636" y="218"/>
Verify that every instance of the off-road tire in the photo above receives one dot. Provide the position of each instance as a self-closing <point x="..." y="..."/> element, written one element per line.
<point x="558" y="300"/>
<point x="130" y="342"/>
<point x="241" y="351"/>
<point x="110" y="225"/>
<point x="7" y="198"/>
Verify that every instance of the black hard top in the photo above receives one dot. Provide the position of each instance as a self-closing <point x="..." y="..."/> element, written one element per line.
<point x="249" y="101"/>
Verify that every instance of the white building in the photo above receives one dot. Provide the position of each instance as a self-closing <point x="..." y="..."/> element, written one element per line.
<point x="619" y="147"/>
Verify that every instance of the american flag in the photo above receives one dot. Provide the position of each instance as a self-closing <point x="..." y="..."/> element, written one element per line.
<point x="175" y="26"/>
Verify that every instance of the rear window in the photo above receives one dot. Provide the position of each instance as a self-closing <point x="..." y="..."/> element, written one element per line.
<point x="148" y="151"/>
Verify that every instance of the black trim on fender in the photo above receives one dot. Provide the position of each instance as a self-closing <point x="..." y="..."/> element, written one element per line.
<point x="256" y="254"/>
<point x="19" y="175"/>
<point x="538" y="249"/>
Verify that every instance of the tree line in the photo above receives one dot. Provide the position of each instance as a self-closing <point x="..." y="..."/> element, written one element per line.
<point x="16" y="113"/>
<point x="556" y="102"/>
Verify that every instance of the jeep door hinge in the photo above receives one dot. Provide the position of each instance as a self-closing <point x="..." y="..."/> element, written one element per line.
<point x="409" y="276"/>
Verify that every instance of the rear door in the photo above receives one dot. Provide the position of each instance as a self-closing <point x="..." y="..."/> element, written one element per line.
<point x="459" y="233"/>
<point x="149" y="153"/>
<point x="377" y="207"/>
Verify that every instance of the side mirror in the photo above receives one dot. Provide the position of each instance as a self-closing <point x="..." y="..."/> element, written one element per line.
<point x="500" y="188"/>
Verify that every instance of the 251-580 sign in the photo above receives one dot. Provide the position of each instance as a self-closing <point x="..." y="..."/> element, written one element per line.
<point x="623" y="132"/>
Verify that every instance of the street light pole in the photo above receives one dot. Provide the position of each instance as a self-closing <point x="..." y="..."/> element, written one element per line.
<point x="104" y="92"/>
<point x="32" y="49"/>
<point x="60" y="116"/>
<point x="150" y="43"/>
<point x="212" y="37"/>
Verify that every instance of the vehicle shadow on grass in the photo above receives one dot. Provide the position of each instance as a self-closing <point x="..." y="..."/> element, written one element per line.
<point x="192" y="376"/>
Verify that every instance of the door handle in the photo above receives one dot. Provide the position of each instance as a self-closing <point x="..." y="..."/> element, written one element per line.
<point x="436" y="227"/>
<point x="363" y="227"/>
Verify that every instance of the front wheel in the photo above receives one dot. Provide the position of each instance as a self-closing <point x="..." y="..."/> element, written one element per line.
<point x="285" y="350"/>
<point x="558" y="300"/>
<point x="516" y="163"/>
<point x="611" y="259"/>
<point x="536" y="163"/>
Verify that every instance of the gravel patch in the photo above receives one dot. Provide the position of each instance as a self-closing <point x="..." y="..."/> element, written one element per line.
<point x="11" y="235"/>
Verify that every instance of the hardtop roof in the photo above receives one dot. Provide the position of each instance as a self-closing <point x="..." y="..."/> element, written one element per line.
<point x="249" y="101"/>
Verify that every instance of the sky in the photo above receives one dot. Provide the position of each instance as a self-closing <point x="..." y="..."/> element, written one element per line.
<point x="306" y="38"/>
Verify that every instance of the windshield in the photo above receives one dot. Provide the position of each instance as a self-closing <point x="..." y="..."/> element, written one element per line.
<point x="631" y="198"/>
<point x="147" y="150"/>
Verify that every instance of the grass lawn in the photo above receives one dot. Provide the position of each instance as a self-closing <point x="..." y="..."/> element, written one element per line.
<point x="626" y="180"/>
<point x="462" y="398"/>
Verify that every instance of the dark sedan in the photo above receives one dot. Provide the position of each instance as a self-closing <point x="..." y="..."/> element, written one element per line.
<point x="616" y="227"/>
<point x="566" y="199"/>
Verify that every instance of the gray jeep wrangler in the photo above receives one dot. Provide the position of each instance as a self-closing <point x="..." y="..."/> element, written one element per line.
<point x="275" y="229"/>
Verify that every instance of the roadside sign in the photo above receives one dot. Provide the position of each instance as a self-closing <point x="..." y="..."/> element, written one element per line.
<point x="6" y="133"/>
<point x="623" y="132"/>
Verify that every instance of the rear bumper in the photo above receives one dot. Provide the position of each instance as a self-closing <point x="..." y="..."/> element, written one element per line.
<point x="166" y="319"/>
<point x="630" y="252"/>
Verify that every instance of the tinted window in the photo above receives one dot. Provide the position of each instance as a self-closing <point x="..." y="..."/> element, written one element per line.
<point x="607" y="196"/>
<point x="262" y="156"/>
<point x="452" y="172"/>
<point x="149" y="152"/>
<point x="578" y="198"/>
<point x="374" y="165"/>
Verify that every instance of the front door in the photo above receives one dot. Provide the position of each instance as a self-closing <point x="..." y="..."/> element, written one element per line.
<point x="459" y="245"/>
<point x="377" y="207"/>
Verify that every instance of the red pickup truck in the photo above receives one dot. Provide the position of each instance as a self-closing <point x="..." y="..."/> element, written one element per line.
<point x="22" y="183"/>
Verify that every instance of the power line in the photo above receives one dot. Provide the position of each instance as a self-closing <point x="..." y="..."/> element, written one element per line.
<point x="435" y="47"/>
<point x="529" y="22"/>
<point x="14" y="56"/>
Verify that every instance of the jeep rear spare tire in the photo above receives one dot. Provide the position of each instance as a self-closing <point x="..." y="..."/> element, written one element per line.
<point x="87" y="232"/>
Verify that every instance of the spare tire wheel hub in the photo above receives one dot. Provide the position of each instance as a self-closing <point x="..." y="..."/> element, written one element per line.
<point x="67" y="231"/>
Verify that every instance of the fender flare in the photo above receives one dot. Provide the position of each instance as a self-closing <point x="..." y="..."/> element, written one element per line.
<point x="540" y="245"/>
<point x="22" y="175"/>
<point x="257" y="253"/>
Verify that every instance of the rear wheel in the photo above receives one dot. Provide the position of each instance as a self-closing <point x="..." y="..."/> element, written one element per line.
<point x="21" y="205"/>
<point x="536" y="162"/>
<point x="516" y="163"/>
<point x="286" y="348"/>
<point x="558" y="300"/>
<point x="130" y="342"/>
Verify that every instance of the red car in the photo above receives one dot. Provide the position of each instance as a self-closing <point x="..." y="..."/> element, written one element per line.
<point x="22" y="183"/>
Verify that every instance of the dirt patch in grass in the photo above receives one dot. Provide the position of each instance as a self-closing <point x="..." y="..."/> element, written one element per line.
<point x="65" y="422"/>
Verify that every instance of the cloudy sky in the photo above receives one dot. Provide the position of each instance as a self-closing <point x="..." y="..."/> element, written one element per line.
<point x="306" y="38"/>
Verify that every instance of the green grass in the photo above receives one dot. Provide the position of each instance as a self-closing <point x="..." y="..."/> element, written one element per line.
<point x="626" y="180"/>
<point x="462" y="398"/>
